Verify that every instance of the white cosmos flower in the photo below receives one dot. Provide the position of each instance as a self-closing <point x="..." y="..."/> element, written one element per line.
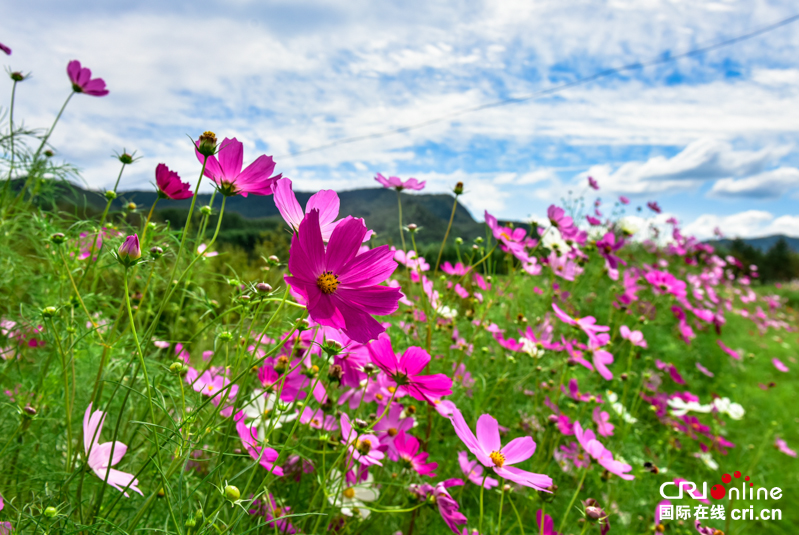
<point x="531" y="348"/>
<point x="447" y="312"/>
<point x="618" y="408"/>
<point x="725" y="406"/>
<point x="351" y="498"/>
<point x="680" y="407"/>
<point x="707" y="458"/>
<point x="260" y="408"/>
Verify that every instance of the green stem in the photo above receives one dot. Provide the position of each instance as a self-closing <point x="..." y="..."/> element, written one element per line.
<point x="11" y="140"/>
<point x="446" y="235"/>
<point x="518" y="517"/>
<point x="402" y="235"/>
<point x="482" y="488"/>
<point x="149" y="216"/>
<point x="499" y="518"/>
<point x="574" y="497"/>
<point x="67" y="406"/>
<point x="149" y="400"/>
<point x="80" y="299"/>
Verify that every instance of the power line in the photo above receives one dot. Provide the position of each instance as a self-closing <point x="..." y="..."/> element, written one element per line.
<point x="660" y="60"/>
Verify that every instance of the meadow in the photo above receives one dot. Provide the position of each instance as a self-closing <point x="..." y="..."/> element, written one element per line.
<point x="542" y="379"/>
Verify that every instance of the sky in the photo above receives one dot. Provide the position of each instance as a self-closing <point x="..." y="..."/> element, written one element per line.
<point x="712" y="138"/>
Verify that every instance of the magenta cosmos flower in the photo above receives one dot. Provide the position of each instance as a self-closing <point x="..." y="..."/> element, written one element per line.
<point x="82" y="81"/>
<point x="99" y="456"/>
<point x="227" y="172"/>
<point x="474" y="471"/>
<point x="365" y="449"/>
<point x="170" y="185"/>
<point x="326" y="201"/>
<point x="405" y="370"/>
<point x="397" y="183"/>
<point x="408" y="450"/>
<point x="603" y="456"/>
<point x="340" y="286"/>
<point x="7" y="50"/>
<point x="487" y="447"/>
<point x="593" y="183"/>
<point x="266" y="457"/>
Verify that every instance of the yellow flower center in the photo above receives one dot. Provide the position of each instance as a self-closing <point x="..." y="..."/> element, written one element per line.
<point x="364" y="446"/>
<point x="379" y="396"/>
<point x="498" y="458"/>
<point x="327" y="282"/>
<point x="392" y="389"/>
<point x="277" y="512"/>
<point x="392" y="432"/>
<point x="505" y="235"/>
<point x="349" y="493"/>
<point x="210" y="388"/>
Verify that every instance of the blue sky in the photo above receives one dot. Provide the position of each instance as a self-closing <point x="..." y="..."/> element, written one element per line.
<point x="711" y="138"/>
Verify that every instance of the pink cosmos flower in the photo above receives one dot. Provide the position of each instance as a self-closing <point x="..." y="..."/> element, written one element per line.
<point x="82" y="81"/>
<point x="662" y="503"/>
<point x="573" y="453"/>
<point x="563" y="266"/>
<point x="326" y="201"/>
<point x="227" y="174"/>
<point x="447" y="506"/>
<point x="730" y="352"/>
<point x="99" y="456"/>
<point x="624" y="200"/>
<point x="340" y="286"/>
<point x="574" y="391"/>
<point x="664" y="282"/>
<point x="602" y="421"/>
<point x="266" y="457"/>
<point x="704" y="530"/>
<point x="587" y="324"/>
<point x="364" y="449"/>
<point x="545" y="525"/>
<point x="511" y="240"/>
<point x="408" y="451"/>
<point x="607" y="247"/>
<point x="653" y="205"/>
<point x="781" y="445"/>
<point x="398" y="184"/>
<point x="487" y="447"/>
<point x="672" y="369"/>
<point x="273" y="515"/>
<point x="7" y="50"/>
<point x="473" y="471"/>
<point x="317" y="419"/>
<point x="593" y="220"/>
<point x="405" y="370"/>
<point x="602" y="455"/>
<point x="565" y="224"/>
<point x="704" y="370"/>
<point x="390" y="426"/>
<point x="779" y="365"/>
<point x="211" y="384"/>
<point x="170" y="185"/>
<point x="593" y="183"/>
<point x="459" y="269"/>
<point x="636" y="338"/>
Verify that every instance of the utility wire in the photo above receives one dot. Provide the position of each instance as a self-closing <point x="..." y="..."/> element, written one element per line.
<point x="661" y="59"/>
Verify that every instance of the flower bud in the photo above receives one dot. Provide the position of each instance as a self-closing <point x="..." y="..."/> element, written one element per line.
<point x="282" y="364"/>
<point x="458" y="188"/>
<point x="131" y="207"/>
<point x="225" y="336"/>
<point x="49" y="312"/>
<point x="263" y="287"/>
<point x="332" y="348"/>
<point x="458" y="241"/>
<point x="335" y="373"/>
<point x="49" y="153"/>
<point x="130" y="251"/>
<point x="176" y="368"/>
<point x="273" y="260"/>
<point x="412" y="227"/>
<point x="206" y="210"/>
<point x="29" y="411"/>
<point x="156" y="252"/>
<point x="594" y="513"/>
<point x="359" y="425"/>
<point x="232" y="493"/>
<point x="50" y="512"/>
<point x="190" y="522"/>
<point x="58" y="238"/>
<point x="17" y="76"/>
<point x="369" y="368"/>
<point x="206" y="146"/>
<point x="126" y="158"/>
<point x="478" y="240"/>
<point x="110" y="195"/>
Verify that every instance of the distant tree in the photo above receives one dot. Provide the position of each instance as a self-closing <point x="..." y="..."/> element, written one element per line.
<point x="779" y="263"/>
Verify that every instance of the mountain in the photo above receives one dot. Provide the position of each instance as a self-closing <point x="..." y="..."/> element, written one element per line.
<point x="762" y="244"/>
<point x="377" y="206"/>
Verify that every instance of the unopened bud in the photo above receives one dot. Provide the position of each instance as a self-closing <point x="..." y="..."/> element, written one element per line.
<point x="232" y="493"/>
<point x="129" y="252"/>
<point x="335" y="373"/>
<point x="206" y="145"/>
<point x="29" y="411"/>
<point x="131" y="207"/>
<point x="58" y="238"/>
<point x="190" y="522"/>
<point x="225" y="336"/>
<point x="359" y="424"/>
<point x="49" y="153"/>
<point x="206" y="210"/>
<point x="176" y="368"/>
<point x="273" y="260"/>
<point x="369" y="368"/>
<point x="458" y="241"/>
<point x="282" y="364"/>
<point x="50" y="512"/>
<point x="49" y="312"/>
<point x="156" y="252"/>
<point x="263" y="287"/>
<point x="594" y="513"/>
<point x="412" y="227"/>
<point x="110" y="195"/>
<point x="17" y="76"/>
<point x="458" y="188"/>
<point x="126" y="158"/>
<point x="332" y="347"/>
<point x="478" y="240"/>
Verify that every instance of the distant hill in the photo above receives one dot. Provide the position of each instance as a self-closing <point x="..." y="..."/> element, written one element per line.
<point x="762" y="244"/>
<point x="377" y="206"/>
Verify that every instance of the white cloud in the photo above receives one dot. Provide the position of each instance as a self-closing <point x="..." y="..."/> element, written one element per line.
<point x="748" y="224"/>
<point x="768" y="185"/>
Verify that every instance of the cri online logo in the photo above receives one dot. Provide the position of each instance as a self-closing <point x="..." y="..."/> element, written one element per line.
<point x="719" y="491"/>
